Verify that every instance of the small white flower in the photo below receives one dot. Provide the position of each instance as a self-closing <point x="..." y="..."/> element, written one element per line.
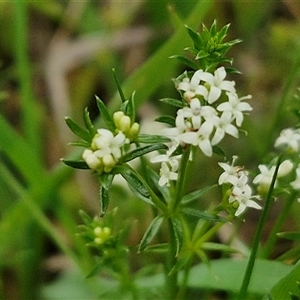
<point x="216" y="84"/>
<point x="244" y="199"/>
<point x="192" y="86"/>
<point x="230" y="174"/>
<point x="200" y="138"/>
<point x="290" y="139"/>
<point x="224" y="126"/>
<point x="235" y="107"/>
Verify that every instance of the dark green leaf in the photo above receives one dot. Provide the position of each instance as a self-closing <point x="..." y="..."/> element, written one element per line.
<point x="167" y="120"/>
<point x="164" y="190"/>
<point x="105" y="184"/>
<point x="142" y="151"/>
<point x="202" y="214"/>
<point x="151" y="139"/>
<point x="186" y="61"/>
<point x="96" y="269"/>
<point x="88" y="123"/>
<point x="182" y="262"/>
<point x="195" y="37"/>
<point x="78" y="130"/>
<point x="294" y="236"/>
<point x="217" y="150"/>
<point x="119" y="86"/>
<point x="107" y="118"/>
<point x="158" y="248"/>
<point x="196" y="194"/>
<point x="76" y="164"/>
<point x="173" y="102"/>
<point x="135" y="184"/>
<point x="178" y="233"/>
<point x="151" y="232"/>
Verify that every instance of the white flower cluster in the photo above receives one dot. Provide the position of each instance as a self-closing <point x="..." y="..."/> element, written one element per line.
<point x="106" y="146"/>
<point x="240" y="192"/>
<point x="289" y="139"/>
<point x="213" y="109"/>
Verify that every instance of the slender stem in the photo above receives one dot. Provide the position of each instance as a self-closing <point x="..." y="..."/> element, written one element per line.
<point x="171" y="277"/>
<point x="261" y="222"/>
<point x="271" y="241"/>
<point x="182" y="175"/>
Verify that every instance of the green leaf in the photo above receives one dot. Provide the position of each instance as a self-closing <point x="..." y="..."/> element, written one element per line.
<point x="289" y="284"/>
<point x="196" y="194"/>
<point x="174" y="102"/>
<point x="186" y="61"/>
<point x="107" y="118"/>
<point x="166" y="119"/>
<point x="119" y="86"/>
<point x="195" y="36"/>
<point x="151" y="232"/>
<point x="88" y="123"/>
<point x="294" y="236"/>
<point x="218" y="247"/>
<point x="78" y="130"/>
<point x="135" y="184"/>
<point x="158" y="248"/>
<point x="178" y="233"/>
<point x="151" y="139"/>
<point x="164" y="190"/>
<point x="130" y="108"/>
<point x="76" y="164"/>
<point x="85" y="217"/>
<point x="80" y="144"/>
<point x="142" y="151"/>
<point x="202" y="215"/>
<point x="105" y="184"/>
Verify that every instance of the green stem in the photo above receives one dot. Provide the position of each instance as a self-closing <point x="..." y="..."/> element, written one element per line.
<point x="271" y="241"/>
<point x="261" y="223"/>
<point x="181" y="182"/>
<point x="171" y="277"/>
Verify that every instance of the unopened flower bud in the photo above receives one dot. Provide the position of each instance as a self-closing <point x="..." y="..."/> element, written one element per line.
<point x="108" y="161"/>
<point x="133" y="131"/>
<point x="91" y="160"/>
<point x="285" y="168"/>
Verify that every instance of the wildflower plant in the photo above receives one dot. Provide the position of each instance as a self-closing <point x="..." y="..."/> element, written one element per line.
<point x="209" y="108"/>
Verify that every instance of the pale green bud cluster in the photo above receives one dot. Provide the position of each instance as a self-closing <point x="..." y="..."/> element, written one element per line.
<point x="102" y="234"/>
<point x="123" y="124"/>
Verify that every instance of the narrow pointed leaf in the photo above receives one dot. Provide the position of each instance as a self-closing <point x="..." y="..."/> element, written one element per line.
<point x="85" y="217"/>
<point x="130" y="108"/>
<point x="178" y="233"/>
<point x="166" y="120"/>
<point x="105" y="183"/>
<point x="119" y="86"/>
<point x="80" y="144"/>
<point x="173" y="102"/>
<point x="202" y="215"/>
<point x="107" y="118"/>
<point x="151" y="139"/>
<point x="142" y="151"/>
<point x="186" y="61"/>
<point x="151" y="232"/>
<point x="78" y="130"/>
<point x="164" y="190"/>
<point x="88" y="123"/>
<point x="135" y="184"/>
<point x="196" y="194"/>
<point x="294" y="236"/>
<point x="195" y="37"/>
<point x="218" y="247"/>
<point x="76" y="164"/>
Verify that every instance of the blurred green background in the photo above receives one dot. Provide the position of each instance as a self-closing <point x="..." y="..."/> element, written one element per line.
<point x="55" y="56"/>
